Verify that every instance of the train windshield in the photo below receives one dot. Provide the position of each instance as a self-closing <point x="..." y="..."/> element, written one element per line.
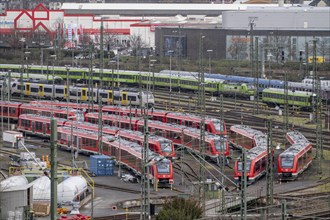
<point x="217" y="125"/>
<point x="163" y="167"/>
<point x="240" y="166"/>
<point x="220" y="145"/>
<point x="286" y="161"/>
<point x="166" y="146"/>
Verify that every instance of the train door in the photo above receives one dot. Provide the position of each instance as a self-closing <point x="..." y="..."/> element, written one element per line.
<point x="124" y="100"/>
<point x="27" y="89"/>
<point x="110" y="96"/>
<point x="83" y="94"/>
<point x="41" y="90"/>
<point x="65" y="92"/>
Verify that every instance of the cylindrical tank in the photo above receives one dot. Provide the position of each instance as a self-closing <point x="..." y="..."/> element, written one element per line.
<point x="70" y="188"/>
<point x="13" y="182"/>
<point x="41" y="189"/>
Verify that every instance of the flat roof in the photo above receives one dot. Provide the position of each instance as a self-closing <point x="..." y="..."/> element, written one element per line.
<point x="147" y="9"/>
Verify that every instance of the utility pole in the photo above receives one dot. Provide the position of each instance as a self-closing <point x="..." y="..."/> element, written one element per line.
<point x="22" y="69"/>
<point x="145" y="206"/>
<point x="90" y="79"/>
<point x="99" y="97"/>
<point x="306" y="58"/>
<point x="257" y="75"/>
<point x="223" y="199"/>
<point x="270" y="174"/>
<point x="53" y="170"/>
<point x="317" y="111"/>
<point x="243" y="187"/>
<point x="286" y="104"/>
<point x="251" y="25"/>
<point x="201" y="97"/>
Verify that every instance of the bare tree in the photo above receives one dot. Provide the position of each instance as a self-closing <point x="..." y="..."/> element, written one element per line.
<point x="136" y="43"/>
<point x="238" y="47"/>
<point x="323" y="48"/>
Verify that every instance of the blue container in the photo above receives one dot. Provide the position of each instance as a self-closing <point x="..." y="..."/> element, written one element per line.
<point x="101" y="165"/>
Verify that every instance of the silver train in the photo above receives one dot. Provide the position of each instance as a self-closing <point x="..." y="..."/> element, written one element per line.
<point x="123" y="97"/>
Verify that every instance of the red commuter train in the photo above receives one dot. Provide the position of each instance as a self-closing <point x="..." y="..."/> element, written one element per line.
<point x="40" y="125"/>
<point x="13" y="110"/>
<point x="255" y="142"/>
<point x="256" y="163"/>
<point x="130" y="154"/>
<point x="180" y="135"/>
<point x="157" y="144"/>
<point x="242" y="136"/>
<point x="212" y="125"/>
<point x="297" y="158"/>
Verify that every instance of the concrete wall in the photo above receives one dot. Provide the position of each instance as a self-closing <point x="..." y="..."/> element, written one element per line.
<point x="304" y="18"/>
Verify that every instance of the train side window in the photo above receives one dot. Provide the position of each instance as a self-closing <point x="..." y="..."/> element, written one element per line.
<point x="257" y="166"/>
<point x="34" y="90"/>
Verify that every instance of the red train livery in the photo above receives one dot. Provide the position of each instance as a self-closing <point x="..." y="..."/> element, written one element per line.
<point x="130" y="153"/>
<point x="13" y="110"/>
<point x="156" y="143"/>
<point x="180" y="135"/>
<point x="212" y="125"/>
<point x="243" y="136"/>
<point x="297" y="158"/>
<point x="40" y="125"/>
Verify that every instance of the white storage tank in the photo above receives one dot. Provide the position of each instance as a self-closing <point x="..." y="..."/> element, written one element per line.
<point x="70" y="189"/>
<point x="13" y="182"/>
<point x="41" y="189"/>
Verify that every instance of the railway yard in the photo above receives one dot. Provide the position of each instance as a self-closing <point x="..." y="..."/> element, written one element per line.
<point x="118" y="196"/>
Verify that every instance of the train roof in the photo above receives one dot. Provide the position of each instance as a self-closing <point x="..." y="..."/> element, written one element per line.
<point x="246" y="130"/>
<point x="255" y="152"/>
<point x="40" y="117"/>
<point x="294" y="149"/>
<point x="290" y="92"/>
<point x="296" y="137"/>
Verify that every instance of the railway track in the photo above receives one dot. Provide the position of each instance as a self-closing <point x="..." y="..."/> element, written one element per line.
<point x="115" y="188"/>
<point x="241" y="112"/>
<point x="127" y="216"/>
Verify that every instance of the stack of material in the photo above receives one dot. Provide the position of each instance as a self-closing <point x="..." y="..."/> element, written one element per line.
<point x="75" y="217"/>
<point x="41" y="208"/>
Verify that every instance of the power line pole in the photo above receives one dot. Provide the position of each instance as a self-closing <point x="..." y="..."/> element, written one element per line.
<point x="53" y="170"/>
<point x="286" y="104"/>
<point x="201" y="97"/>
<point x="251" y="25"/>
<point x="317" y="111"/>
<point x="99" y="97"/>
<point x="223" y="199"/>
<point x="243" y="187"/>
<point x="269" y="176"/>
<point x="145" y="206"/>
<point x="257" y="75"/>
<point x="90" y="79"/>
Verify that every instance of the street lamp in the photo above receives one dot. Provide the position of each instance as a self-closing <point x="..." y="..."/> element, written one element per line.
<point x="209" y="52"/>
<point x="170" y="53"/>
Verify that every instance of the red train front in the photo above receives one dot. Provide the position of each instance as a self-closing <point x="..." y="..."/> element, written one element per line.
<point x="297" y="158"/>
<point x="255" y="164"/>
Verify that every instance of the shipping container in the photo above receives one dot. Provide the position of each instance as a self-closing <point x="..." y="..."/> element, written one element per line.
<point x="101" y="165"/>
